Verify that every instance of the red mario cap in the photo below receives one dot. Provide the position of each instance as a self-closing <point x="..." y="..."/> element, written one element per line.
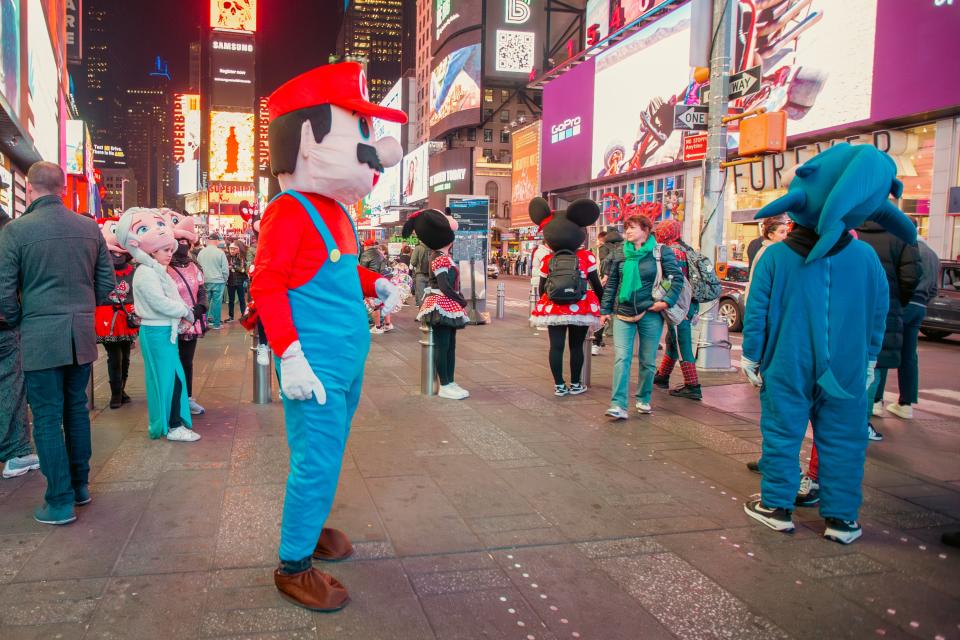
<point x="343" y="84"/>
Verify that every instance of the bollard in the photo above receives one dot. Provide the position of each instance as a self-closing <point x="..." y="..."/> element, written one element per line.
<point x="428" y="375"/>
<point x="501" y="300"/>
<point x="587" y="361"/>
<point x="713" y="347"/>
<point x="533" y="302"/>
<point x="262" y="373"/>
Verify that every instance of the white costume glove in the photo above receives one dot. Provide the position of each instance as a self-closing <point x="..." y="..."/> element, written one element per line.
<point x="297" y="379"/>
<point x="751" y="369"/>
<point x="389" y="294"/>
<point x="871" y="376"/>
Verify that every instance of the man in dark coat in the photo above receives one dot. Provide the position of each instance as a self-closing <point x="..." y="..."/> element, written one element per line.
<point x="611" y="240"/>
<point x="901" y="263"/>
<point x="54" y="269"/>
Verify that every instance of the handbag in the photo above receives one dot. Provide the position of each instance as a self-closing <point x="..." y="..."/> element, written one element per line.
<point x="203" y="324"/>
<point x="676" y="313"/>
<point x="133" y="320"/>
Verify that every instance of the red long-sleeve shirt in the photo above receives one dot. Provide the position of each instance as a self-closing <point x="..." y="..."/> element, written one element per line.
<point x="289" y="253"/>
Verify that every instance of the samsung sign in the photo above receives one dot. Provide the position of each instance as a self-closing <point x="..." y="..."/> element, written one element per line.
<point x="566" y="129"/>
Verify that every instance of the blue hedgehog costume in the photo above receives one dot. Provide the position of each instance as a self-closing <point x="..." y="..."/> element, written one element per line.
<point x="813" y="328"/>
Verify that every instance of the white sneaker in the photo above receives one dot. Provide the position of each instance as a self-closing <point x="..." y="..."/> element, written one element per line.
<point x="263" y="355"/>
<point x="451" y="392"/>
<point x="466" y="394"/>
<point x="195" y="408"/>
<point x="595" y="350"/>
<point x="15" y="467"/>
<point x="182" y="434"/>
<point x="376" y="331"/>
<point x="878" y="408"/>
<point x="644" y="407"/>
<point x="617" y="413"/>
<point x="387" y="328"/>
<point x="904" y="411"/>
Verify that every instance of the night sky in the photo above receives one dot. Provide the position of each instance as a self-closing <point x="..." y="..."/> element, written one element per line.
<point x="293" y="36"/>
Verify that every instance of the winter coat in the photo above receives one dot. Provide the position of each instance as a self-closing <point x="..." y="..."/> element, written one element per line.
<point x="420" y="260"/>
<point x="238" y="270"/>
<point x="642" y="300"/>
<point x="112" y="319"/>
<point x="372" y="259"/>
<point x="929" y="283"/>
<point x="901" y="263"/>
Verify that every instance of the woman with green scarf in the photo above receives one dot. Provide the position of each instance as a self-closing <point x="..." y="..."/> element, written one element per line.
<point x="628" y="297"/>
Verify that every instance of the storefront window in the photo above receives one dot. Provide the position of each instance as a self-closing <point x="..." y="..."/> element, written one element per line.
<point x="915" y="170"/>
<point x="659" y="198"/>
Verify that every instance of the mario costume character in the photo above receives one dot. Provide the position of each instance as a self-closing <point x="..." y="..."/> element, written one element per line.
<point x="813" y="327"/>
<point x="309" y="292"/>
<point x="116" y="324"/>
<point x="443" y="307"/>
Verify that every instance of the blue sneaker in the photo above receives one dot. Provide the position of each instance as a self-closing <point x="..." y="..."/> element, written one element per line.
<point x="18" y="466"/>
<point x="81" y="495"/>
<point x="55" y="515"/>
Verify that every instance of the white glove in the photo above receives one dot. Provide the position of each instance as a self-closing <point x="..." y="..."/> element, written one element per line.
<point x="189" y="319"/>
<point x="871" y="376"/>
<point x="389" y="294"/>
<point x="297" y="379"/>
<point x="751" y="369"/>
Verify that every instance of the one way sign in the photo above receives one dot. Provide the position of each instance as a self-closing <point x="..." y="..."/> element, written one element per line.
<point x="691" y="117"/>
<point x="742" y="84"/>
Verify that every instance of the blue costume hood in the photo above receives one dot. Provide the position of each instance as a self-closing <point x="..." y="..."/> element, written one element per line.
<point x="840" y="188"/>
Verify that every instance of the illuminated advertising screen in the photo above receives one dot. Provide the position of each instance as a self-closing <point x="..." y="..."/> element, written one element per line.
<point x="263" y="138"/>
<point x="451" y="17"/>
<point x="186" y="141"/>
<point x="387" y="190"/>
<point x="514" y="45"/>
<point x="231" y="146"/>
<point x="232" y="57"/>
<point x="75" y="151"/>
<point x="455" y="90"/>
<point x="414" y="173"/>
<point x="44" y="86"/>
<point x="88" y="153"/>
<point x="451" y="172"/>
<point x="234" y="15"/>
<point x="567" y="128"/>
<point x="525" y="180"/>
<point x="10" y="53"/>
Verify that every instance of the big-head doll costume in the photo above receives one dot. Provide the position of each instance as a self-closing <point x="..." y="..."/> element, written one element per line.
<point x="117" y="325"/>
<point x="309" y="290"/>
<point x="813" y="327"/>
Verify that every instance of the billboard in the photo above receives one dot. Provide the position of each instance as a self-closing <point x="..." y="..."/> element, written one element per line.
<point x="451" y="17"/>
<point x="472" y="214"/>
<point x="232" y="58"/>
<point x="567" y="128"/>
<point x="10" y="53"/>
<point x="44" y="86"/>
<point x="450" y="172"/>
<point x="455" y="90"/>
<point x="514" y="45"/>
<point x="525" y="180"/>
<point x="387" y="190"/>
<point x="263" y="138"/>
<point x="235" y="15"/>
<point x="415" y="168"/>
<point x="231" y="146"/>
<point x="74" y="31"/>
<point x="604" y="19"/>
<point x="75" y="150"/>
<point x="186" y="141"/>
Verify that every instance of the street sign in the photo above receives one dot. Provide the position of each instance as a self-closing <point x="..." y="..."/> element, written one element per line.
<point x="694" y="147"/>
<point x="742" y="84"/>
<point x="690" y="117"/>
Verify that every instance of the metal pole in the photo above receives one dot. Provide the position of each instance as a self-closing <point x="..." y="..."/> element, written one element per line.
<point x="428" y="374"/>
<point x="533" y="302"/>
<point x="262" y="375"/>
<point x="501" y="299"/>
<point x="711" y="235"/>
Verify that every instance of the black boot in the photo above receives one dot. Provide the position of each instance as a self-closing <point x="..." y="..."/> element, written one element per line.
<point x="662" y="382"/>
<point x="116" y="398"/>
<point x="689" y="391"/>
<point x="124" y="398"/>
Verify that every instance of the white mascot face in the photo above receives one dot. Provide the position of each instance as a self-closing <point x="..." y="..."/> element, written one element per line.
<point x="347" y="164"/>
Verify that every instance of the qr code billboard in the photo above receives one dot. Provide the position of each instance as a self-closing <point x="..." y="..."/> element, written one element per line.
<point x="515" y="51"/>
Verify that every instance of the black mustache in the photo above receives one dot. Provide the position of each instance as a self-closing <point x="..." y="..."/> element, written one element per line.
<point x="367" y="155"/>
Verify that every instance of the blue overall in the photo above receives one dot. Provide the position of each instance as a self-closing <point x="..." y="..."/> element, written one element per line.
<point x="331" y="321"/>
<point x="813" y="327"/>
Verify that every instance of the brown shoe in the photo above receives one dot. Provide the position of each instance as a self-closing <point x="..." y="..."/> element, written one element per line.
<point x="312" y="589"/>
<point x="333" y="546"/>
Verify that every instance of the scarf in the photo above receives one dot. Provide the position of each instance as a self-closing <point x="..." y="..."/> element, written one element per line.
<point x="630" y="282"/>
<point x="802" y="240"/>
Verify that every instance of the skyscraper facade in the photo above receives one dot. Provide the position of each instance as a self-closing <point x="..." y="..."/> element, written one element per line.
<point x="98" y="99"/>
<point x="147" y="140"/>
<point x="372" y="31"/>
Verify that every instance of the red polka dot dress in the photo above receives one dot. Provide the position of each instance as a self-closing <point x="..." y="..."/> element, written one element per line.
<point x="548" y="313"/>
<point x="442" y="302"/>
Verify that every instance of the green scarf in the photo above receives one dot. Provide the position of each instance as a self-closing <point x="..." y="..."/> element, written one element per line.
<point x="630" y="280"/>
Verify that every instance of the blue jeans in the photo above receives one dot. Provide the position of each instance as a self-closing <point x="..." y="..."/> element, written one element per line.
<point x="214" y="303"/>
<point x="649" y="327"/>
<point x="61" y="428"/>
<point x="908" y="375"/>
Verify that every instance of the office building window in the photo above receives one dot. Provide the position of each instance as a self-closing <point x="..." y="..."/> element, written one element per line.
<point x="504" y="115"/>
<point x="505" y="137"/>
<point x="488" y="95"/>
<point x="488" y="135"/>
<point x="471" y="134"/>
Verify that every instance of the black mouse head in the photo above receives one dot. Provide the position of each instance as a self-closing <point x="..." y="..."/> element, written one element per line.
<point x="564" y="230"/>
<point x="433" y="228"/>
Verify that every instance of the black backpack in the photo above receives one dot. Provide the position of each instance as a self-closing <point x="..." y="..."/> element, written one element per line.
<point x="564" y="283"/>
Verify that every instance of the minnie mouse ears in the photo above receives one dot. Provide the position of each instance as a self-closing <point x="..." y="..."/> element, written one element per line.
<point x="432" y="227"/>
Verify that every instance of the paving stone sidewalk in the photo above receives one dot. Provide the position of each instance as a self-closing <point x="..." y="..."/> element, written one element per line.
<point x="512" y="515"/>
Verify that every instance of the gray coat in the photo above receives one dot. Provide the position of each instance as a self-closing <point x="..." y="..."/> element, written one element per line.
<point x="54" y="270"/>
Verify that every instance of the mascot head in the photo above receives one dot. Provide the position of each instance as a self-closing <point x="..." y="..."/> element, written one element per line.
<point x="184" y="227"/>
<point x="433" y="228"/>
<point x="564" y="230"/>
<point x="321" y="134"/>
<point x="838" y="190"/>
<point x="143" y="232"/>
<point x="108" y="229"/>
